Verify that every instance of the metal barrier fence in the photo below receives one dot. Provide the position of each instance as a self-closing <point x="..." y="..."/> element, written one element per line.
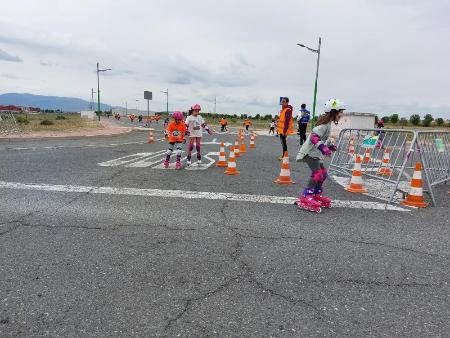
<point x="403" y="148"/>
<point x="8" y="124"/>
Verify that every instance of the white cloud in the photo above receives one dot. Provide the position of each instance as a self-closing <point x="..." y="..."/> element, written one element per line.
<point x="4" y="56"/>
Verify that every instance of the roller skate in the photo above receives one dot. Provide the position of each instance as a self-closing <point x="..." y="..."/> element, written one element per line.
<point x="307" y="202"/>
<point x="166" y="164"/>
<point x="188" y="161"/>
<point x="325" y="202"/>
<point x="199" y="163"/>
<point x="178" y="165"/>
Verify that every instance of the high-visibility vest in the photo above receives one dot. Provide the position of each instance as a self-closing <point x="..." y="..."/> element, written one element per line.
<point x="281" y="120"/>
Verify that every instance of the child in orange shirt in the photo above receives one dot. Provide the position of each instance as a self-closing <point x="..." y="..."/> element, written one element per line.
<point x="175" y="134"/>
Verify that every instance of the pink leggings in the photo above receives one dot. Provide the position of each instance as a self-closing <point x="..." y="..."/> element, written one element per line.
<point x="197" y="141"/>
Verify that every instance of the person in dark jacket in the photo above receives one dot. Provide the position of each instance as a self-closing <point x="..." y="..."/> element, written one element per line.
<point x="303" y="120"/>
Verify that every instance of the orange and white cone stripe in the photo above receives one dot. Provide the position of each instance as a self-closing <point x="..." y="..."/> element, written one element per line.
<point x="237" y="153"/>
<point x="385" y="170"/>
<point x="366" y="158"/>
<point x="231" y="168"/>
<point x="243" y="148"/>
<point x="356" y="182"/>
<point x="222" y="159"/>
<point x="351" y="147"/>
<point x="285" y="173"/>
<point x="415" y="196"/>
<point x="150" y="137"/>
<point x="252" y="142"/>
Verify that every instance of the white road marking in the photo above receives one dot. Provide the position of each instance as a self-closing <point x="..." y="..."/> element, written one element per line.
<point x="189" y="195"/>
<point x="125" y="159"/>
<point x="144" y="163"/>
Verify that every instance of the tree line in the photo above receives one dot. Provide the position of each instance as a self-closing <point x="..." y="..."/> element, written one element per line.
<point x="414" y="119"/>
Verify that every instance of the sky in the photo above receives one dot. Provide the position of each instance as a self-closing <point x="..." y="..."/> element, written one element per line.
<point x="380" y="56"/>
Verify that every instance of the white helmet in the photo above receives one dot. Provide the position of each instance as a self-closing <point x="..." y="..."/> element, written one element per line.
<point x="334" y="104"/>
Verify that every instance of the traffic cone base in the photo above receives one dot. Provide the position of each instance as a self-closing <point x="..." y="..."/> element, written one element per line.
<point x="385" y="172"/>
<point x="231" y="167"/>
<point x="366" y="158"/>
<point x="222" y="163"/>
<point x="285" y="173"/>
<point x="415" y="196"/>
<point x="356" y="182"/>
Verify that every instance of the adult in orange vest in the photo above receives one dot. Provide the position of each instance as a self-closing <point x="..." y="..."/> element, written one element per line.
<point x="223" y="124"/>
<point x="285" y="124"/>
<point x="247" y="123"/>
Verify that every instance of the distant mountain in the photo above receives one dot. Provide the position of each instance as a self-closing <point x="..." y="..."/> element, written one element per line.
<point x="67" y="104"/>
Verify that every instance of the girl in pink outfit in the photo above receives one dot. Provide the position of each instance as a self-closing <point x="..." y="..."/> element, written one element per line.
<point x="194" y="125"/>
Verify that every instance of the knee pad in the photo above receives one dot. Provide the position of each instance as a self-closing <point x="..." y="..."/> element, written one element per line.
<point x="191" y="146"/>
<point x="317" y="176"/>
<point x="198" y="146"/>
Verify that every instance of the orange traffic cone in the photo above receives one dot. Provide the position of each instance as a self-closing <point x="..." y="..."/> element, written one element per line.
<point x="351" y="147"/>
<point x="415" y="196"/>
<point x="385" y="169"/>
<point x="222" y="159"/>
<point x="285" y="173"/>
<point x="366" y="158"/>
<point x="231" y="168"/>
<point x="150" y="137"/>
<point x="237" y="152"/>
<point x="356" y="182"/>
<point x="252" y="141"/>
<point x="243" y="148"/>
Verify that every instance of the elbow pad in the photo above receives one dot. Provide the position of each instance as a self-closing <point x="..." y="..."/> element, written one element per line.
<point x="315" y="138"/>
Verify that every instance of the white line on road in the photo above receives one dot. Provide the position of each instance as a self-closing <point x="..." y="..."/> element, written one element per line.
<point x="189" y="195"/>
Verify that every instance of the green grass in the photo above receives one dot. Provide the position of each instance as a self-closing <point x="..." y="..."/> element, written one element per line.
<point x="70" y="122"/>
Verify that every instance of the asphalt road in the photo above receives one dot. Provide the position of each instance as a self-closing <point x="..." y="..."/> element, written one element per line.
<point x="88" y="250"/>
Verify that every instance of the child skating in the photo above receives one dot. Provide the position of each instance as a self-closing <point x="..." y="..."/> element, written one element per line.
<point x="313" y="152"/>
<point x="175" y="135"/>
<point x="195" y="125"/>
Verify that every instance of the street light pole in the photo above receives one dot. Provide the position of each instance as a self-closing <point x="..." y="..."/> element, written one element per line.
<point x="98" y="87"/>
<point x="317" y="75"/>
<point x="167" y="99"/>
<point x="315" y="83"/>
<point x="215" y="104"/>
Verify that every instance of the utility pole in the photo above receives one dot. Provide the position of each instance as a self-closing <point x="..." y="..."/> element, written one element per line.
<point x="98" y="87"/>
<point x="215" y="104"/>
<point x="167" y="99"/>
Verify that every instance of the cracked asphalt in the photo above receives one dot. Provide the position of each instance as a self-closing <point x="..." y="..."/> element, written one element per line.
<point x="85" y="265"/>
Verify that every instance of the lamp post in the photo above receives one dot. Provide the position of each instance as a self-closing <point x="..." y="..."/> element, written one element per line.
<point x="167" y="99"/>
<point x="98" y="87"/>
<point x="317" y="74"/>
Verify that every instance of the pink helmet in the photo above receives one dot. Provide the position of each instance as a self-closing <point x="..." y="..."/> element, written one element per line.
<point x="177" y="115"/>
<point x="196" y="107"/>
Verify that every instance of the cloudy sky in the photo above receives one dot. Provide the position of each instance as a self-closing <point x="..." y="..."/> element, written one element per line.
<point x="380" y="56"/>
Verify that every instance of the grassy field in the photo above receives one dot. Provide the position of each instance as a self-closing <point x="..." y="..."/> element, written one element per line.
<point x="55" y="122"/>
